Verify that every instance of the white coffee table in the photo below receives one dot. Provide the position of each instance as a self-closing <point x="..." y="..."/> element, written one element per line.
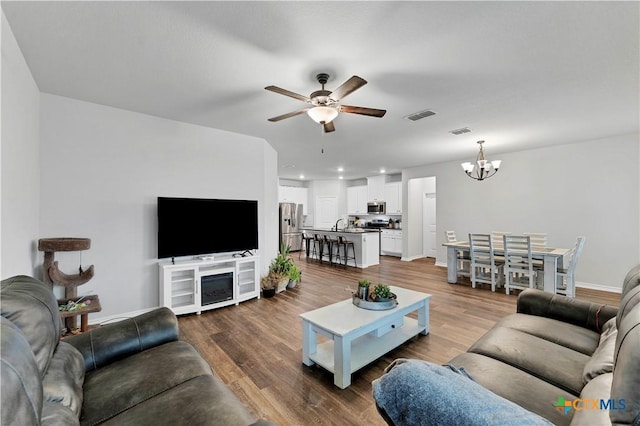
<point x="359" y="336"/>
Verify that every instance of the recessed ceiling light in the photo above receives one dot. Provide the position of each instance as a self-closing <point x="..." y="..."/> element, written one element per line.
<point x="340" y="177"/>
<point x="383" y="171"/>
<point x="341" y="169"/>
<point x="301" y="176"/>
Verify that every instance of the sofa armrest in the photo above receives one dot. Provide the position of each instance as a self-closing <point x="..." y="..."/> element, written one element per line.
<point x="112" y="342"/>
<point x="566" y="309"/>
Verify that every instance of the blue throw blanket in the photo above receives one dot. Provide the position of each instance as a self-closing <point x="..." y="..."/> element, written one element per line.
<point x="414" y="392"/>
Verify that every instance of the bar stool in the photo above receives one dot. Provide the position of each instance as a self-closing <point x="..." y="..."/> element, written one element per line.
<point x="305" y="243"/>
<point x="328" y="244"/>
<point x="346" y="244"/>
<point x="316" y="248"/>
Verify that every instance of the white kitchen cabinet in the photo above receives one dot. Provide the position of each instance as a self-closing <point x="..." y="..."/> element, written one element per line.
<point x="357" y="198"/>
<point x="375" y="187"/>
<point x="391" y="242"/>
<point x="181" y="288"/>
<point x="393" y="197"/>
<point x="294" y="194"/>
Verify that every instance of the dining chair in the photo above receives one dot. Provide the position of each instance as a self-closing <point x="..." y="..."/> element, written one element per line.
<point x="538" y="240"/>
<point x="496" y="237"/>
<point x="566" y="283"/>
<point x="462" y="256"/>
<point x="519" y="267"/>
<point x="484" y="268"/>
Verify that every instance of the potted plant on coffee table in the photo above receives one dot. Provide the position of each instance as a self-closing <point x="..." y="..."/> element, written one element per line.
<point x="381" y="293"/>
<point x="363" y="289"/>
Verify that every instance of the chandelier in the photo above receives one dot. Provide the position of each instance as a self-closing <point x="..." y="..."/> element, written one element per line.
<point x="482" y="169"/>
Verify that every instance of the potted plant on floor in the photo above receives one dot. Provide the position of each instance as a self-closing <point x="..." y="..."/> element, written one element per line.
<point x="295" y="276"/>
<point x="281" y="266"/>
<point x="269" y="283"/>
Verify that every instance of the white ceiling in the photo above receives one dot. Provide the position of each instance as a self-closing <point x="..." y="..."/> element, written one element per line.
<point x="521" y="75"/>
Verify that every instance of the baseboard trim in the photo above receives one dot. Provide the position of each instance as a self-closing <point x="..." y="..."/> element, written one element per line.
<point x="441" y="264"/>
<point x="409" y="259"/>
<point x="599" y="287"/>
<point x="119" y="317"/>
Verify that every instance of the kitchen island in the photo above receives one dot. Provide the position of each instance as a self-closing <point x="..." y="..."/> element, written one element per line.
<point x="366" y="244"/>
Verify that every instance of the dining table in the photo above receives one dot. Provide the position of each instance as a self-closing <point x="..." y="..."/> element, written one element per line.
<point x="552" y="259"/>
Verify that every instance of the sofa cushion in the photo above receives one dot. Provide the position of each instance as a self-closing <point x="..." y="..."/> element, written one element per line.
<point x="556" y="364"/>
<point x="63" y="380"/>
<point x="517" y="386"/>
<point x="198" y="401"/>
<point x="31" y="305"/>
<point x="562" y="333"/>
<point x="56" y="414"/>
<point x="602" y="359"/>
<point x="626" y="380"/>
<point x="21" y="393"/>
<point x="598" y="388"/>
<point x="121" y="385"/>
<point x="414" y="392"/>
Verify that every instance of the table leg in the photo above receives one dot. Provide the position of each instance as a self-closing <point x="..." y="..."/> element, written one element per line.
<point x="452" y="265"/>
<point x="550" y="273"/>
<point x="309" y="342"/>
<point x="341" y="361"/>
<point x="423" y="317"/>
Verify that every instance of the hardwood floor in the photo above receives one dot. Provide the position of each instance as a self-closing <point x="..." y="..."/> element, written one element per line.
<point x="256" y="347"/>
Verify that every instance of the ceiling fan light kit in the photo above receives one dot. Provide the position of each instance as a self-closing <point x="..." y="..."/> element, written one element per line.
<point x="482" y="169"/>
<point x="322" y="114"/>
<point x="324" y="104"/>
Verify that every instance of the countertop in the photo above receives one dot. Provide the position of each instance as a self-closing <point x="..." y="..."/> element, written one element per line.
<point x="345" y="231"/>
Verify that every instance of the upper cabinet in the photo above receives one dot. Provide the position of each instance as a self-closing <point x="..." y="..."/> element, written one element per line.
<point x="294" y="194"/>
<point x="393" y="197"/>
<point x="376" y="188"/>
<point x="357" y="197"/>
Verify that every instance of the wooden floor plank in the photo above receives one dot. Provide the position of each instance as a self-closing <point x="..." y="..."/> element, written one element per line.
<point x="256" y="347"/>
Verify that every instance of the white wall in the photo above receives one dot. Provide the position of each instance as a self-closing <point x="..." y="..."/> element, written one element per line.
<point x="20" y="161"/>
<point x="102" y="169"/>
<point x="589" y="188"/>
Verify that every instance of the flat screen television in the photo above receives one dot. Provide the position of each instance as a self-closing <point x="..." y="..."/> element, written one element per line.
<point x="198" y="226"/>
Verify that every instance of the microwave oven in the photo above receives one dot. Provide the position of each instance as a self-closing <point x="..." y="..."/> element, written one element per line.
<point x="376" y="207"/>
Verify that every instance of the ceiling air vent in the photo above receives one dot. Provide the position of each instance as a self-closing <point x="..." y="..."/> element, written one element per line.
<point x="460" y="131"/>
<point x="420" y="115"/>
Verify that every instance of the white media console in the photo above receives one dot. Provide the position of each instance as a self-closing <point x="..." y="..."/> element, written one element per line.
<point x="199" y="285"/>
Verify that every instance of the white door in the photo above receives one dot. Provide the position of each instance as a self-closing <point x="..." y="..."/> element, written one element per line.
<point x="326" y="212"/>
<point x="429" y="225"/>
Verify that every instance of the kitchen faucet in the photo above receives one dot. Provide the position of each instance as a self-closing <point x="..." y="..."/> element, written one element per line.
<point x="336" y="227"/>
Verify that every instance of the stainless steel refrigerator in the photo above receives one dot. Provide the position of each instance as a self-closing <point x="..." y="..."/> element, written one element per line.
<point x="291" y="225"/>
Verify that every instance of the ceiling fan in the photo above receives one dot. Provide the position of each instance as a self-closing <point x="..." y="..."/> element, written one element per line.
<point x="324" y="104"/>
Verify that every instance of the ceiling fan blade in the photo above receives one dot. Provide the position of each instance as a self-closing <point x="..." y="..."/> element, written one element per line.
<point x="285" y="92"/>
<point x="372" y="112"/>
<point x="351" y="85"/>
<point x="328" y="127"/>
<point x="289" y="114"/>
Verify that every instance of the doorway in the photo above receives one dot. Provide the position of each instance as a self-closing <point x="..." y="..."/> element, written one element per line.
<point x="429" y="225"/>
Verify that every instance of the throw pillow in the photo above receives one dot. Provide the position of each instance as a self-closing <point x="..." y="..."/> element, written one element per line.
<point x="64" y="378"/>
<point x="601" y="360"/>
<point x="414" y="392"/>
